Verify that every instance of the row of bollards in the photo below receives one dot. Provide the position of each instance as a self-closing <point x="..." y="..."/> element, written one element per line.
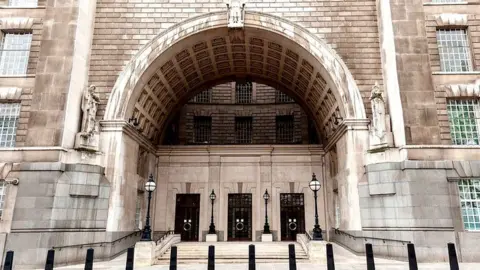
<point x="412" y="258"/>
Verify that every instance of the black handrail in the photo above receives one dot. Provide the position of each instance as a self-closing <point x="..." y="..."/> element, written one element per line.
<point x="135" y="233"/>
<point x="337" y="231"/>
<point x="167" y="233"/>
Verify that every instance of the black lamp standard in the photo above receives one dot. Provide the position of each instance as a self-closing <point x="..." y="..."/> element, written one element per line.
<point x="315" y="186"/>
<point x="266" y="227"/>
<point x="212" y="226"/>
<point x="147" y="231"/>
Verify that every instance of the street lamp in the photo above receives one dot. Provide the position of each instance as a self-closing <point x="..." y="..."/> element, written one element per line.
<point x="266" y="227"/>
<point x="315" y="186"/>
<point x="147" y="231"/>
<point x="212" y="226"/>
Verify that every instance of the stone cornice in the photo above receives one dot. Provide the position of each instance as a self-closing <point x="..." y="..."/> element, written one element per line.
<point x="16" y="23"/>
<point x="463" y="90"/>
<point x="347" y="124"/>
<point x="10" y="93"/>
<point x="451" y="19"/>
<point x="239" y="150"/>
<point x="128" y="129"/>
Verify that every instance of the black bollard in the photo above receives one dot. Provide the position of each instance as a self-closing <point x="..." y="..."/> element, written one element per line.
<point x="452" y="257"/>
<point x="330" y="260"/>
<point x="412" y="257"/>
<point x="173" y="258"/>
<point x="291" y="257"/>
<point x="211" y="258"/>
<point x="251" y="257"/>
<point x="89" y="259"/>
<point x="130" y="255"/>
<point x="50" y="260"/>
<point x="8" y="265"/>
<point x="369" y="253"/>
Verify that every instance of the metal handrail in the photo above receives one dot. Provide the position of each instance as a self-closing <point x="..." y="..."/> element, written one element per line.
<point x="165" y="236"/>
<point x="135" y="233"/>
<point x="337" y="231"/>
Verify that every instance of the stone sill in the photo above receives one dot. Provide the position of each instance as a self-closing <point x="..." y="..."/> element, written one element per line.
<point x="456" y="73"/>
<point x="440" y="146"/>
<point x="445" y="4"/>
<point x="20" y="7"/>
<point x="18" y="76"/>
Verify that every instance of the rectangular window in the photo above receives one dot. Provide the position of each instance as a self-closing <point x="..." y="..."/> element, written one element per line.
<point x="285" y="129"/>
<point x="15" y="49"/>
<point x="243" y="92"/>
<point x="469" y="191"/>
<point x="281" y="97"/>
<point x="22" y="3"/>
<point x="203" y="129"/>
<point x="243" y="130"/>
<point x="9" y="113"/>
<point x="454" y="50"/>
<point x="3" y="187"/>
<point x="464" y="118"/>
<point x="203" y="97"/>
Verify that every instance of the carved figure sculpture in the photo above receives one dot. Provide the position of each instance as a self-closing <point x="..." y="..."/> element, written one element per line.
<point x="378" y="111"/>
<point x="90" y="103"/>
<point x="235" y="14"/>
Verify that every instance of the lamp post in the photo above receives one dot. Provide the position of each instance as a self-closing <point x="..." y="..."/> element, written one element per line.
<point x="266" y="227"/>
<point x="147" y="231"/>
<point x="315" y="186"/>
<point x="212" y="226"/>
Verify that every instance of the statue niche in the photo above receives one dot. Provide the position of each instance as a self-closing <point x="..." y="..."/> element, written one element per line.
<point x="88" y="137"/>
<point x="380" y="133"/>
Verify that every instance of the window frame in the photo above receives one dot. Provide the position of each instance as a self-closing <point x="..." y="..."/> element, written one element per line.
<point x="249" y="132"/>
<point x="283" y="118"/>
<point x="452" y="121"/>
<point x="473" y="201"/>
<point x="3" y="36"/>
<point x="468" y="53"/>
<point x="9" y="4"/>
<point x="208" y="134"/>
<point x="13" y="143"/>
<point x="240" y="99"/>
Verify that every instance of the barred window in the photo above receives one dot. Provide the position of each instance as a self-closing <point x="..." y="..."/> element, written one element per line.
<point x="3" y="188"/>
<point x="464" y="118"/>
<point x="203" y="129"/>
<point x="285" y="128"/>
<point x="243" y="92"/>
<point x="15" y="49"/>
<point x="447" y="1"/>
<point x="454" y="50"/>
<point x="23" y="3"/>
<point x="243" y="130"/>
<point x="281" y="97"/>
<point x="469" y="191"/>
<point x="9" y="113"/>
<point x="203" y="97"/>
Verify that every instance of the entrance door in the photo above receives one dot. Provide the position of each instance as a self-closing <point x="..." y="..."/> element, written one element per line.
<point x="187" y="213"/>
<point x="240" y="217"/>
<point x="292" y="215"/>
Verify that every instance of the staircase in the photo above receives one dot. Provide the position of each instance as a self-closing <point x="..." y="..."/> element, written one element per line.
<point x="233" y="252"/>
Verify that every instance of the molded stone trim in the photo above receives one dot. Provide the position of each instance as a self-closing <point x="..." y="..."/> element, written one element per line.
<point x="16" y="23"/>
<point x="451" y="19"/>
<point x="463" y="90"/>
<point x="10" y="93"/>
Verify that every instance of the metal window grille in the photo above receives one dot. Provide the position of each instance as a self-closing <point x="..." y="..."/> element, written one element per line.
<point x="243" y="92"/>
<point x="454" y="50"/>
<point x="15" y="49"/>
<point x="447" y="1"/>
<point x="138" y="210"/>
<point x="203" y="129"/>
<point x="281" y="97"/>
<point x="469" y="191"/>
<point x="3" y="188"/>
<point x="203" y="97"/>
<point x="243" y="130"/>
<point x="9" y="113"/>
<point x="285" y="128"/>
<point x="23" y="3"/>
<point x="464" y="118"/>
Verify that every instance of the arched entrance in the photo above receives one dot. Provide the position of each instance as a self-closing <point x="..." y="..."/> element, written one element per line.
<point x="202" y="52"/>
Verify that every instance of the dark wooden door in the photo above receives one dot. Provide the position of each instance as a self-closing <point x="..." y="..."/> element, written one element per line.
<point x="240" y="217"/>
<point x="292" y="215"/>
<point x="187" y="215"/>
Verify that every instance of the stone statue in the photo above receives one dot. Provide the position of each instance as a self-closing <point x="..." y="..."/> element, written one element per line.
<point x="90" y="102"/>
<point x="236" y="12"/>
<point x="378" y="111"/>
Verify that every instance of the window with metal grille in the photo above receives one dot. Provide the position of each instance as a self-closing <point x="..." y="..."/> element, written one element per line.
<point x="447" y="1"/>
<point x="3" y="188"/>
<point x="469" y="191"/>
<point x="464" y="118"/>
<point x="23" y="3"/>
<point x="15" y="49"/>
<point x="203" y="129"/>
<point x="243" y="129"/>
<point x="9" y="113"/>
<point x="281" y="97"/>
<point x="138" y="210"/>
<point x="454" y="50"/>
<point x="203" y="97"/>
<point x="285" y="124"/>
<point x="243" y="92"/>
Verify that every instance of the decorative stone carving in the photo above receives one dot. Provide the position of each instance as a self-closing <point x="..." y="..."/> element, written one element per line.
<point x="236" y="14"/>
<point x="10" y="93"/>
<point x="463" y="90"/>
<point x="380" y="134"/>
<point x="446" y="19"/>
<point x="16" y="23"/>
<point x="88" y="137"/>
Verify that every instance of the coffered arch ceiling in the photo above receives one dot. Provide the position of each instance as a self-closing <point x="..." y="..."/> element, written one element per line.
<point x="219" y="54"/>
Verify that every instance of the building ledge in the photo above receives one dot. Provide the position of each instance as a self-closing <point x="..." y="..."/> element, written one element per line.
<point x="446" y="4"/>
<point x="18" y="76"/>
<point x="19" y="7"/>
<point x="456" y="73"/>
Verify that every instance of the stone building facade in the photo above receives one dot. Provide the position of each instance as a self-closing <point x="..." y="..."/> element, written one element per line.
<point x="90" y="90"/>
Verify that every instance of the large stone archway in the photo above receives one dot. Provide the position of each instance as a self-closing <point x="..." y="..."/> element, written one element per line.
<point x="201" y="52"/>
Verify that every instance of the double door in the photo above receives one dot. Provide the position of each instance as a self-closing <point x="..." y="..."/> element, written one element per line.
<point x="240" y="217"/>
<point x="292" y="215"/>
<point x="187" y="216"/>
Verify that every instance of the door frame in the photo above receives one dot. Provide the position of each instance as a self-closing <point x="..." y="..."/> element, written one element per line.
<point x="229" y="228"/>
<point x="297" y="224"/>
<point x="196" y="236"/>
